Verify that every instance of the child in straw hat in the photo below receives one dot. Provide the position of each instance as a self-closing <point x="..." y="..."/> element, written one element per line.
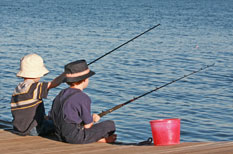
<point x="27" y="106"/>
<point x="71" y="110"/>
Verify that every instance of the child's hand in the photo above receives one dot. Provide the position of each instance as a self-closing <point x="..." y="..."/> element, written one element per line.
<point x="96" y="117"/>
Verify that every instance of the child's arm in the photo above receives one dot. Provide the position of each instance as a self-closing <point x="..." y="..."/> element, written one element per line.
<point x="96" y="118"/>
<point x="86" y="126"/>
<point x="57" y="81"/>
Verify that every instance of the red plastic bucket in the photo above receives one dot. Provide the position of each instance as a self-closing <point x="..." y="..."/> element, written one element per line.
<point x="165" y="131"/>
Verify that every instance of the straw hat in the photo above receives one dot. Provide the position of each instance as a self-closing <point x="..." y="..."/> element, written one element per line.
<point x="77" y="71"/>
<point x="32" y="66"/>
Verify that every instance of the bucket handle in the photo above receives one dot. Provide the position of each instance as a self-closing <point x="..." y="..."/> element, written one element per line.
<point x="147" y="142"/>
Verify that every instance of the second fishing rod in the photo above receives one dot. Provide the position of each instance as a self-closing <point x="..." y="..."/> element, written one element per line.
<point x="103" y="113"/>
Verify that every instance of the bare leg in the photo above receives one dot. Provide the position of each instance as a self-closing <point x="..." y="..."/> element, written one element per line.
<point x="109" y="139"/>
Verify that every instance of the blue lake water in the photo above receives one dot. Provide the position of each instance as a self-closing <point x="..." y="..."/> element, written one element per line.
<point x="192" y="34"/>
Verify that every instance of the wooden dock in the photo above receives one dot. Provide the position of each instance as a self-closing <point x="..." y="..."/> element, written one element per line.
<point x="13" y="144"/>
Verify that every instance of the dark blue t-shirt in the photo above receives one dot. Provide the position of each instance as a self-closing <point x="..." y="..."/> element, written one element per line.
<point x="77" y="107"/>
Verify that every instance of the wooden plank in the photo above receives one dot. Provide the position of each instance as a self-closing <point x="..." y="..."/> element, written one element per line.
<point x="13" y="144"/>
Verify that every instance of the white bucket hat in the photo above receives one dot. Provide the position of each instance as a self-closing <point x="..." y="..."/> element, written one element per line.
<point x="32" y="66"/>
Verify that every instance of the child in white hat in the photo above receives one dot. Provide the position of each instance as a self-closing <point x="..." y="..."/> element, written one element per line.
<point x="27" y="106"/>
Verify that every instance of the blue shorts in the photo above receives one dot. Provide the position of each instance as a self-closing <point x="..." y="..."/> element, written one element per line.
<point x="95" y="133"/>
<point x="98" y="131"/>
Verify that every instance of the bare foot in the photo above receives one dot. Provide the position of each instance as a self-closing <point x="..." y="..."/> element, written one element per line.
<point x="109" y="139"/>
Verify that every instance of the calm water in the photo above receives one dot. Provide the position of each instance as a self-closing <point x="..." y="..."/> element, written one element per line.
<point x="192" y="34"/>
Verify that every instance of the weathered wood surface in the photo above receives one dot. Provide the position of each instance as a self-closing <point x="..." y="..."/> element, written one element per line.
<point x="14" y="144"/>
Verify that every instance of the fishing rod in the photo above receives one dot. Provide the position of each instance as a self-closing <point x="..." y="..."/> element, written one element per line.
<point x="135" y="98"/>
<point x="123" y="44"/>
<point x="8" y="123"/>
